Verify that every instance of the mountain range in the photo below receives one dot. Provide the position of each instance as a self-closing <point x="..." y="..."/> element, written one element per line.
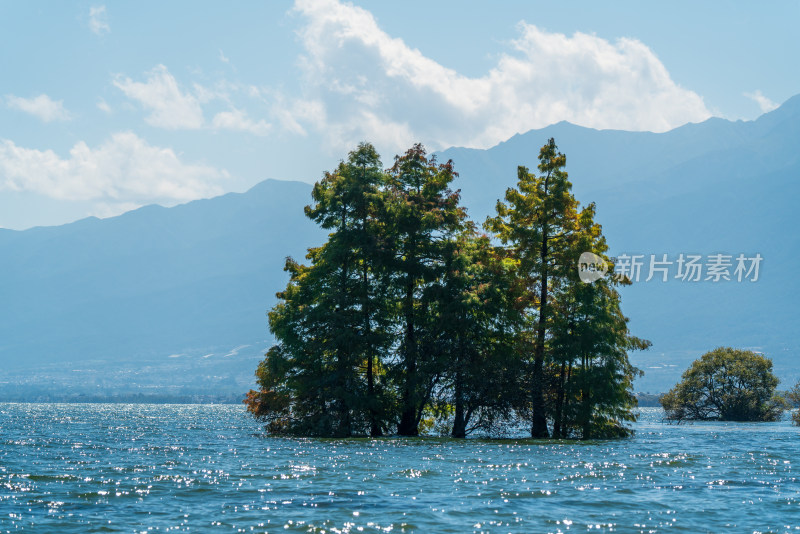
<point x="173" y="300"/>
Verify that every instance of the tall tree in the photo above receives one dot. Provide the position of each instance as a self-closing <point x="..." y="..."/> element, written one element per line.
<point x="536" y="220"/>
<point x="331" y="323"/>
<point x="580" y="376"/>
<point x="422" y="214"/>
<point x="350" y="202"/>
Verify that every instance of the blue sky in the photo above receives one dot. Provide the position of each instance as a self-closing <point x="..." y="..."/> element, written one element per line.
<point x="107" y="107"/>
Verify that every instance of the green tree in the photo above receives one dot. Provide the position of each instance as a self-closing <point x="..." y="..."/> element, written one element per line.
<point x="331" y="322"/>
<point x="591" y="377"/>
<point x="350" y="202"/>
<point x="594" y="377"/>
<point x="793" y="400"/>
<point x="535" y="221"/>
<point x="725" y="384"/>
<point x="422" y="215"/>
<point x="476" y="326"/>
<point x="304" y="378"/>
<point x="576" y="340"/>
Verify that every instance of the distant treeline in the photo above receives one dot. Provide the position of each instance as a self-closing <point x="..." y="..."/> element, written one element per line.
<point x="648" y="400"/>
<point x="410" y="317"/>
<point x="122" y="398"/>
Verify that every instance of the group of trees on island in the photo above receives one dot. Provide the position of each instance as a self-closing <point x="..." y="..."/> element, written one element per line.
<point x="410" y="314"/>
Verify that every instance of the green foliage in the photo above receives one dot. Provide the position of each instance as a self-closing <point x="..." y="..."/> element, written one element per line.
<point x="476" y="325"/>
<point x="588" y="356"/>
<point x="332" y="320"/>
<point x="576" y="341"/>
<point x="725" y="384"/>
<point x="792" y="398"/>
<point x="408" y="319"/>
<point x="422" y="217"/>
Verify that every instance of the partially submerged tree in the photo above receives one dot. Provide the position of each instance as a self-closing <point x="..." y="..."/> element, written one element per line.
<point x="793" y="400"/>
<point x="476" y="328"/>
<point x="576" y="338"/>
<point x="725" y="384"/>
<point x="422" y="216"/>
<point x="407" y="311"/>
<point x="590" y="374"/>
<point x="535" y="221"/>
<point x="332" y="319"/>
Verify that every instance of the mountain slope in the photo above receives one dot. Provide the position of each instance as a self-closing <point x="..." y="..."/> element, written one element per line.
<point x="152" y="283"/>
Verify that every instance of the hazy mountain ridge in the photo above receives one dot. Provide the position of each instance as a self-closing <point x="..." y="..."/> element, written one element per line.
<point x="196" y="280"/>
<point x="151" y="282"/>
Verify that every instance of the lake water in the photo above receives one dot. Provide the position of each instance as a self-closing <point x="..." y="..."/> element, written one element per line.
<point x="204" y="468"/>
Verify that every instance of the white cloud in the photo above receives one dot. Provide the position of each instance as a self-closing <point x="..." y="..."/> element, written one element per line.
<point x="763" y="102"/>
<point x="124" y="169"/>
<point x="291" y="113"/>
<point x="98" y="20"/>
<point x="41" y="106"/>
<point x="372" y="85"/>
<point x="238" y="120"/>
<point x="169" y="107"/>
<point x="103" y="106"/>
<point x="223" y="57"/>
<point x="174" y="108"/>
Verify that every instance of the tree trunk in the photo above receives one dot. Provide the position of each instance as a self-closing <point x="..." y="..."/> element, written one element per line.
<point x="374" y="425"/>
<point x="538" y="416"/>
<point x="586" y="406"/>
<point x="459" y="422"/>
<point x="408" y="415"/>
<point x="558" y="430"/>
<point x="344" y="427"/>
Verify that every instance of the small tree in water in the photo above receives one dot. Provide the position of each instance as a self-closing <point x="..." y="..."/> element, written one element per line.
<point x="725" y="384"/>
